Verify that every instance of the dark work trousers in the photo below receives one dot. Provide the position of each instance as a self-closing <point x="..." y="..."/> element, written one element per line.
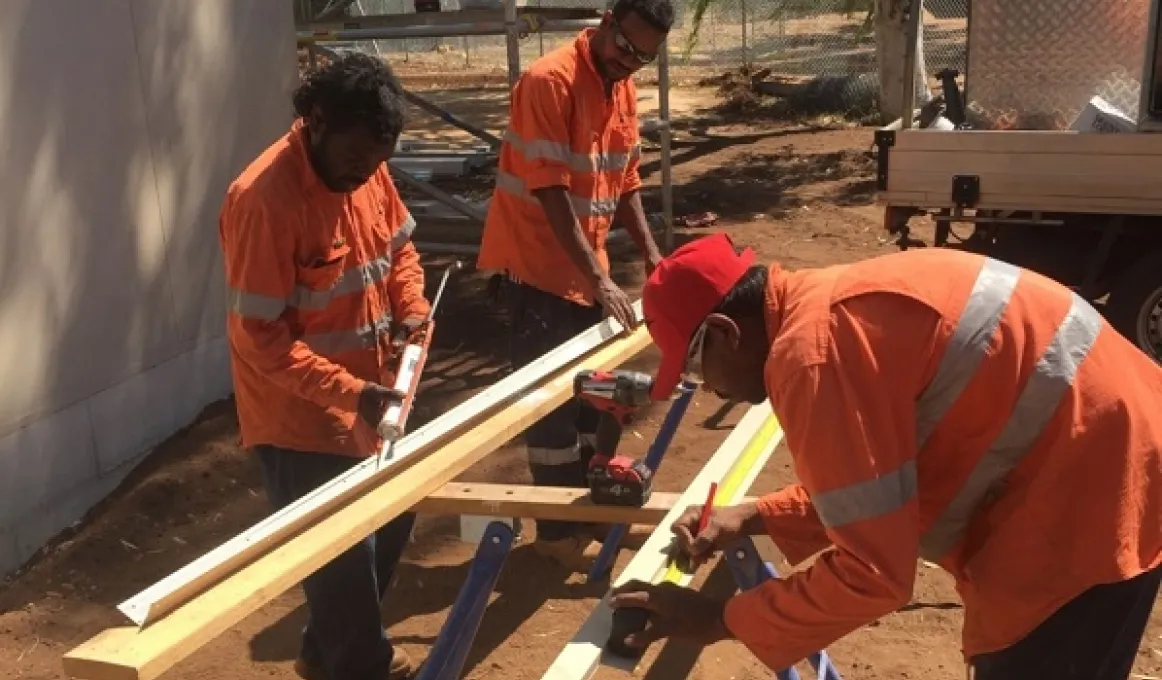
<point x="344" y="632"/>
<point x="1095" y="636"/>
<point x="560" y="444"/>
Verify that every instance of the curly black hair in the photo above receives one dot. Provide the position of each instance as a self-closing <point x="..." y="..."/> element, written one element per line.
<point x="355" y="89"/>
<point x="657" y="13"/>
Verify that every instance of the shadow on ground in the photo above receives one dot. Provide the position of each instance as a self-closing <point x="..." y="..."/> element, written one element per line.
<point x="525" y="584"/>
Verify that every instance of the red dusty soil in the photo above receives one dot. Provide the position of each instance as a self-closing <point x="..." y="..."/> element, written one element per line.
<point x="796" y="192"/>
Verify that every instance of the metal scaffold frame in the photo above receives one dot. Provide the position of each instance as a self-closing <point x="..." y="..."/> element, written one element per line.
<point x="514" y="23"/>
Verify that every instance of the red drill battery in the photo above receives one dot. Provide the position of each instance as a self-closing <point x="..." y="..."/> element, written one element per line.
<point x="619" y="480"/>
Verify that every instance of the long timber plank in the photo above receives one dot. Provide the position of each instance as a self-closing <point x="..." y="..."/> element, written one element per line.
<point x="166" y="595"/>
<point x="561" y="503"/>
<point x="131" y="653"/>
<point x="734" y="467"/>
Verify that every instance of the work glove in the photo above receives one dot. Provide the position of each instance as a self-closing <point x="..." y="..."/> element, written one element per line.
<point x="373" y="402"/>
<point x="405" y="331"/>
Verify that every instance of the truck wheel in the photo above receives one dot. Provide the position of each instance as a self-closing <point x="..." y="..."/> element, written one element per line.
<point x="1134" y="307"/>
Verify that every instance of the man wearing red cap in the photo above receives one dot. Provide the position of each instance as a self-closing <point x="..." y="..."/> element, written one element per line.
<point x="937" y="404"/>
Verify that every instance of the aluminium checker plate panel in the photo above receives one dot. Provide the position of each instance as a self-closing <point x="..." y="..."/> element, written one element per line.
<point x="1033" y="64"/>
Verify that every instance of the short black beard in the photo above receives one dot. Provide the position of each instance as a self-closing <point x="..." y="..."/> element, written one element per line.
<point x="316" y="161"/>
<point x="597" y="63"/>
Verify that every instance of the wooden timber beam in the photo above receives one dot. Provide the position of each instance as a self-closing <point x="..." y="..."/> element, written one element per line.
<point x="734" y="467"/>
<point x="179" y="587"/>
<point x="131" y="653"/>
<point x="541" y="502"/>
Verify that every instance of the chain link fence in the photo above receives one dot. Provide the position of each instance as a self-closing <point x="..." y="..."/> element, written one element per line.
<point x="807" y="38"/>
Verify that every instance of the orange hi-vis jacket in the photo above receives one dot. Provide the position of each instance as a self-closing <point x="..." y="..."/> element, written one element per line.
<point x="563" y="131"/>
<point x="942" y="405"/>
<point x="314" y="281"/>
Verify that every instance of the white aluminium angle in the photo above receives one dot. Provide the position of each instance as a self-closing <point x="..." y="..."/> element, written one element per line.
<point x="172" y="591"/>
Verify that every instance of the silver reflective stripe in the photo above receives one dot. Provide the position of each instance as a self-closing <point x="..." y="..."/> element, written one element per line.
<point x="584" y="207"/>
<point x="253" y="305"/>
<point x="966" y="348"/>
<point x="337" y="342"/>
<point x="352" y="280"/>
<point x="1052" y="377"/>
<point x="868" y="499"/>
<point x="540" y="455"/>
<point x="978" y="323"/>
<point x="588" y="439"/>
<point x="402" y="235"/>
<point x="555" y="151"/>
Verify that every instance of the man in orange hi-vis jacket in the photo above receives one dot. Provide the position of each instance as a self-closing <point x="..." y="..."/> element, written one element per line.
<point x="939" y="405"/>
<point x="322" y="275"/>
<point x="568" y="169"/>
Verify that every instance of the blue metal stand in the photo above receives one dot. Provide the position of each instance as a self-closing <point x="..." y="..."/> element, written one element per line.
<point x="749" y="571"/>
<point x="446" y="660"/>
<point x="653" y="461"/>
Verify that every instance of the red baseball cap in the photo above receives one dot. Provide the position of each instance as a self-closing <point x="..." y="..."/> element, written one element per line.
<point x="683" y="290"/>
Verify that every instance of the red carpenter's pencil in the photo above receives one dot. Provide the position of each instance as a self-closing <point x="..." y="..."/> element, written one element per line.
<point x="704" y="518"/>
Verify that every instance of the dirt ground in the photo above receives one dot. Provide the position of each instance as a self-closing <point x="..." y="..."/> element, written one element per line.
<point x="797" y="191"/>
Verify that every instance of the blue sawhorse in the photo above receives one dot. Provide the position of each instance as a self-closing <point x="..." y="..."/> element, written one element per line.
<point x="604" y="561"/>
<point x="750" y="571"/>
<point x="448" y="654"/>
<point x="450" y="651"/>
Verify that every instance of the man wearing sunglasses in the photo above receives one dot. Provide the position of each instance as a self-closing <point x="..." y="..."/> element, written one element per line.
<point x="568" y="170"/>
<point x="937" y="404"/>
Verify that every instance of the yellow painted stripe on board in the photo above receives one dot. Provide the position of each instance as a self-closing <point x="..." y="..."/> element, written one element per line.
<point x="729" y="492"/>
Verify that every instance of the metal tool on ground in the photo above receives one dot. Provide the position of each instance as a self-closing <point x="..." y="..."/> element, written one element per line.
<point x="407" y="376"/>
<point x="630" y="620"/>
<point x="615" y="479"/>
<point x="653" y="461"/>
<point x="750" y="571"/>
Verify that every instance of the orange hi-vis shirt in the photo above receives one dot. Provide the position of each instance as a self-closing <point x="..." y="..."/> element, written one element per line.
<point x="564" y="131"/>
<point x="942" y="405"/>
<point x="315" y="280"/>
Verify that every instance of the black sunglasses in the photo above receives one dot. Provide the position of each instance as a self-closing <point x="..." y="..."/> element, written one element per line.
<point x="626" y="46"/>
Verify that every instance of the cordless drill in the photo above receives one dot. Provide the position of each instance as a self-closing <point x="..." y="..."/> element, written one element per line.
<point x="614" y="479"/>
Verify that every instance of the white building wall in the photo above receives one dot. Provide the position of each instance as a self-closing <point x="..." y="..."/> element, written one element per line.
<point x="121" y="124"/>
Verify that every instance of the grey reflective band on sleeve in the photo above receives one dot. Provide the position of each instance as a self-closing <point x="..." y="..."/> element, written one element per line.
<point x="584" y="207"/>
<point x="331" y="343"/>
<point x="253" y="305"/>
<point x="1051" y="379"/>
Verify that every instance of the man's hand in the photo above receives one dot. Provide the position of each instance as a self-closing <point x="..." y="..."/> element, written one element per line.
<point x="674" y="612"/>
<point x="726" y="526"/>
<point x="373" y="402"/>
<point x="405" y="330"/>
<point x="616" y="303"/>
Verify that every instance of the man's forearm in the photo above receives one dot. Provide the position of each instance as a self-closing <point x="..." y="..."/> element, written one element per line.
<point x="563" y="221"/>
<point x="789" y="518"/>
<point x="754" y="524"/>
<point x="631" y="214"/>
<point x="406" y="285"/>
